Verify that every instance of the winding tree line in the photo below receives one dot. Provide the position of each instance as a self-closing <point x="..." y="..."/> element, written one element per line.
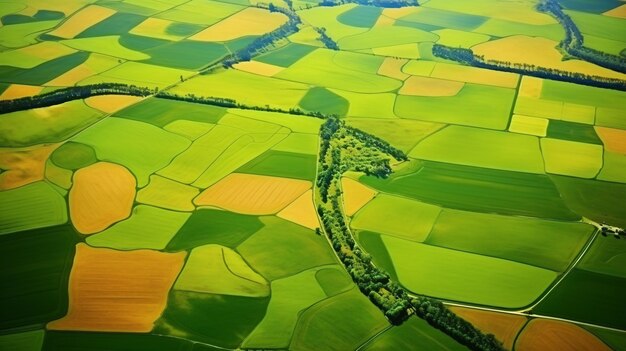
<point x="377" y="3"/>
<point x="345" y="148"/>
<point x="467" y="56"/>
<point x="325" y="39"/>
<point x="72" y="93"/>
<point x="574" y="42"/>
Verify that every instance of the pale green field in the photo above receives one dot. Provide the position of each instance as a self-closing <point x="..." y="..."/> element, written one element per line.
<point x="571" y="158"/>
<point x="386" y="36"/>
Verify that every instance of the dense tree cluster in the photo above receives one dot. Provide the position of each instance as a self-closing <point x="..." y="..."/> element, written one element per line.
<point x="71" y="93"/>
<point x="345" y="148"/>
<point x="326" y="40"/>
<point x="467" y="56"/>
<point x="377" y="3"/>
<point x="573" y="43"/>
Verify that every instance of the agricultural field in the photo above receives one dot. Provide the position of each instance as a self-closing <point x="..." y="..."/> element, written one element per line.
<point x="312" y="175"/>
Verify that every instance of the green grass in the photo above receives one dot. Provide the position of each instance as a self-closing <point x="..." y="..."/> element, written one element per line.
<point x="397" y="216"/>
<point x="373" y="245"/>
<point x="35" y="265"/>
<point x="351" y="316"/>
<point x="598" y="25"/>
<point x="475" y="147"/>
<point x="564" y="130"/>
<point x="299" y="143"/>
<point x="582" y="95"/>
<point x="77" y="341"/>
<point x="73" y="156"/>
<point x="35" y="205"/>
<point x="162" y="112"/>
<point x="414" y="334"/>
<point x="44" y="72"/>
<point x="333" y="280"/>
<point x="479" y="190"/>
<point x="186" y="54"/>
<point x="287" y="55"/>
<point x="35" y="126"/>
<point x="445" y="19"/>
<point x="571" y="158"/>
<point x="216" y="269"/>
<point x="475" y="105"/>
<point x="401" y="133"/>
<point x="466" y="277"/>
<point x="193" y="316"/>
<point x="147" y="228"/>
<point x="598" y="200"/>
<point x="282" y="164"/>
<point x="587" y="297"/>
<point x="208" y="226"/>
<point x="319" y="68"/>
<point x="24" y="341"/>
<point x="386" y="36"/>
<point x="606" y="256"/>
<point x="118" y="24"/>
<point x="320" y="99"/>
<point x="289" y="296"/>
<point x="360" y="16"/>
<point x="140" y="147"/>
<point x="283" y="248"/>
<point x="547" y="244"/>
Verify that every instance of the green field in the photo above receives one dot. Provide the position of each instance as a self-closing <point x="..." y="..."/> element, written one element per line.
<point x="386" y="36"/>
<point x="325" y="101"/>
<point x="61" y="341"/>
<point x="282" y="164"/>
<point x="374" y="245"/>
<point x="35" y="205"/>
<point x="44" y="72"/>
<point x="287" y="55"/>
<point x="571" y="158"/>
<point x="162" y="112"/>
<point x="73" y="156"/>
<point x="24" y="341"/>
<point x="605" y="256"/>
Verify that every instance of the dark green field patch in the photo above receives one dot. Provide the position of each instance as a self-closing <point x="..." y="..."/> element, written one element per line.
<point x="283" y="248"/>
<point x="208" y="226"/>
<point x="161" y="112"/>
<point x="34" y="270"/>
<point x="82" y="341"/>
<point x="360" y="16"/>
<point x="123" y="6"/>
<point x="118" y="24"/>
<point x="596" y="6"/>
<point x="333" y="280"/>
<point x="598" y="200"/>
<point x="479" y="190"/>
<point x="564" y="130"/>
<point x="444" y="19"/>
<point x="282" y="164"/>
<point x="41" y="15"/>
<point x="221" y="320"/>
<point x="320" y="99"/>
<point x="186" y="54"/>
<point x="373" y="245"/>
<point x="587" y="297"/>
<point x="72" y="155"/>
<point x="141" y="43"/>
<point x="287" y="55"/>
<point x="183" y="29"/>
<point x="44" y="72"/>
<point x="417" y="25"/>
<point x="615" y="339"/>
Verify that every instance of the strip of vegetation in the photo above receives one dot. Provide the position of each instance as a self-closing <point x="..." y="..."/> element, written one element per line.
<point x="345" y="148"/>
<point x="467" y="56"/>
<point x="574" y="42"/>
<point x="71" y="93"/>
<point x="377" y="3"/>
<point x="260" y="44"/>
<point x="325" y="39"/>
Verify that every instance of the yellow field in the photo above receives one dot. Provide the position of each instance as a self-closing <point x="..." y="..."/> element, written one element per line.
<point x="166" y="193"/>
<point x="260" y="68"/>
<point x="111" y="103"/>
<point x="251" y="21"/>
<point x="155" y="28"/>
<point x="619" y="12"/>
<point x="529" y="125"/>
<point x="504" y="327"/>
<point x="542" y="334"/>
<point x="118" y="291"/>
<point x="16" y="91"/>
<point x="392" y="68"/>
<point x="95" y="64"/>
<point x="474" y="75"/>
<point x="613" y="139"/>
<point x="252" y="194"/>
<point x="23" y="166"/>
<point x="530" y="87"/>
<point x="301" y="211"/>
<point x="540" y="52"/>
<point x="82" y="20"/>
<point x="103" y="194"/>
<point x="355" y="195"/>
<point x="424" y="86"/>
<point x="396" y="13"/>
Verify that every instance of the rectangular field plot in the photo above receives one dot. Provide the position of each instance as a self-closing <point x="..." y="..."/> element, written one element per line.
<point x="35" y="205"/>
<point x="438" y="272"/>
<point x="479" y="190"/>
<point x="162" y="112"/>
<point x="282" y="164"/>
<point x="547" y="244"/>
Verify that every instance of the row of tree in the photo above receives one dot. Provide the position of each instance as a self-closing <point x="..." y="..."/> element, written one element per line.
<point x="72" y="93"/>
<point x="467" y="56"/>
<point x="574" y="42"/>
<point x="377" y="3"/>
<point x="345" y="148"/>
<point x="325" y="39"/>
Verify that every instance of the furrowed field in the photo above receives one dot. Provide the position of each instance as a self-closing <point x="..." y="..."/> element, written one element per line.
<point x="177" y="204"/>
